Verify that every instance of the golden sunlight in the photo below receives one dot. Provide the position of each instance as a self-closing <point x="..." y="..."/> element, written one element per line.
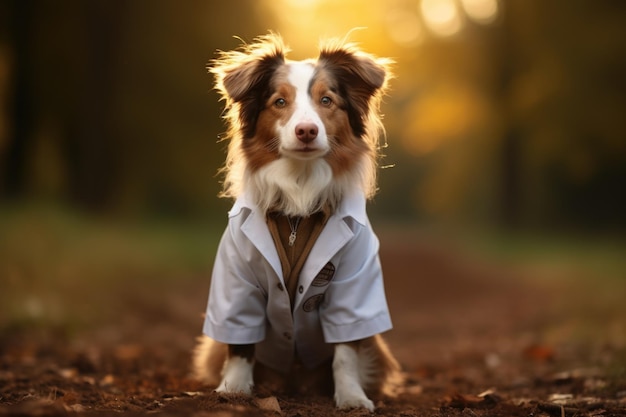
<point x="303" y="23"/>
<point x="404" y="27"/>
<point x="443" y="115"/>
<point x="441" y="16"/>
<point x="302" y="4"/>
<point x="481" y="11"/>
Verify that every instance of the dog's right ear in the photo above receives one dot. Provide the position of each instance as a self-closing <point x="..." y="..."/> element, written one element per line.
<point x="239" y="72"/>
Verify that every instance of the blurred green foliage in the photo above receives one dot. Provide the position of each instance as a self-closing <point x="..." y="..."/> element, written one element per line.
<point x="58" y="266"/>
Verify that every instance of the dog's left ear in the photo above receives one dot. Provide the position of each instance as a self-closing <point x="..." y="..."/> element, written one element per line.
<point x="359" y="78"/>
<point x="360" y="70"/>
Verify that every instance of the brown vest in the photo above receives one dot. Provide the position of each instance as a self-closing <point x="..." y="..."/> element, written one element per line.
<point x="292" y="257"/>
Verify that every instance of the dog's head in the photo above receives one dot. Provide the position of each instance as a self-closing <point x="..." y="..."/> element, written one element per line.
<point x="301" y="119"/>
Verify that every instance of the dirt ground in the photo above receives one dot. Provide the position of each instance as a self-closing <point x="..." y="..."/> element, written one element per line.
<point x="475" y="337"/>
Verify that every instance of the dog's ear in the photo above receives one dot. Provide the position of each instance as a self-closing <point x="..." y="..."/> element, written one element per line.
<point x="359" y="77"/>
<point x="362" y="71"/>
<point x="239" y="72"/>
<point x="249" y="75"/>
<point x="243" y="76"/>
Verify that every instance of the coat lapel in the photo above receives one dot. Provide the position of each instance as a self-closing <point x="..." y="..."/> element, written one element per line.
<point x="334" y="237"/>
<point x="256" y="230"/>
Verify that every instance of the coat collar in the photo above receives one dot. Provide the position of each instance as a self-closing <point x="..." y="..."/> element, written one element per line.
<point x="334" y="236"/>
<point x="352" y="205"/>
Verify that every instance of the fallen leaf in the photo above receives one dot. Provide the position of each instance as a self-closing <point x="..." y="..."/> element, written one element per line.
<point x="490" y="391"/>
<point x="192" y="394"/>
<point x="108" y="380"/>
<point x="89" y="380"/>
<point x="490" y="396"/>
<point x="561" y="399"/>
<point x="458" y="400"/>
<point x="539" y="353"/>
<point x="128" y="352"/>
<point x="76" y="408"/>
<point x="68" y="373"/>
<point x="269" y="404"/>
<point x="485" y="398"/>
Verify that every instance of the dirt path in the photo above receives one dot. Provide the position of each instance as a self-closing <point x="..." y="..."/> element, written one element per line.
<point x="476" y="339"/>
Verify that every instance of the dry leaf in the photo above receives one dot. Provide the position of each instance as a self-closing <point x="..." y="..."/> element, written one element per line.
<point x="108" y="380"/>
<point x="458" y="400"/>
<point x="484" y="394"/>
<point x="539" y="353"/>
<point x="485" y="398"/>
<point x="68" y="373"/>
<point x="76" y="408"/>
<point x="192" y="393"/>
<point x="561" y="399"/>
<point x="128" y="352"/>
<point x="269" y="404"/>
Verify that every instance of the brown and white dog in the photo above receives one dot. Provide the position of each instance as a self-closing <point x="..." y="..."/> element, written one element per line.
<point x="297" y="282"/>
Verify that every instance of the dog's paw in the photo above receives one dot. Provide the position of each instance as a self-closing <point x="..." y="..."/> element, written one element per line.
<point x="235" y="387"/>
<point x="237" y="377"/>
<point x="353" y="399"/>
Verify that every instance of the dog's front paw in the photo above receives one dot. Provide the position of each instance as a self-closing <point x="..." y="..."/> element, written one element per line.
<point x="235" y="387"/>
<point x="237" y="377"/>
<point x="354" y="398"/>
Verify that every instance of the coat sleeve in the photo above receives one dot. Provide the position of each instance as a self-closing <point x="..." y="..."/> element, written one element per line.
<point x="236" y="308"/>
<point x="354" y="305"/>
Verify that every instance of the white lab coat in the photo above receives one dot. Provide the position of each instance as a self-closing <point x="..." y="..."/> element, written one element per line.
<point x="248" y="302"/>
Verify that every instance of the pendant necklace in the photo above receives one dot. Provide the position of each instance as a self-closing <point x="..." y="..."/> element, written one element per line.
<point x="294" y="229"/>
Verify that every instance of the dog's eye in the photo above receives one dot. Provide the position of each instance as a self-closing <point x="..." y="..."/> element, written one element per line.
<point x="326" y="101"/>
<point x="280" y="102"/>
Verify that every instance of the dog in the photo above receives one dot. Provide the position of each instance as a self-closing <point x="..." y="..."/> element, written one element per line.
<point x="297" y="288"/>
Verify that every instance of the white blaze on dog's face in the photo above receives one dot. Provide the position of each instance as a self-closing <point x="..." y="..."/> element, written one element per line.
<point x="303" y="135"/>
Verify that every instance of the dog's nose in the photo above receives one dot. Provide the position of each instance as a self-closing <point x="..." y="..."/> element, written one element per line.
<point x="306" y="132"/>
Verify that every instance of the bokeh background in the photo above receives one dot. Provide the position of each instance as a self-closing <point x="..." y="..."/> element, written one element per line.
<point x="506" y="125"/>
<point x="502" y="113"/>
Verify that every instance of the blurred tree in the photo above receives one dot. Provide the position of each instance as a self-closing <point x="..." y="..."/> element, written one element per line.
<point x="509" y="63"/>
<point x="18" y="17"/>
<point x="111" y="102"/>
<point x="566" y="98"/>
<point x="94" y="145"/>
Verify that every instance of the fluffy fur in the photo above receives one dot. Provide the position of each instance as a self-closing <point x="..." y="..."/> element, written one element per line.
<point x="256" y="160"/>
<point x="302" y="134"/>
